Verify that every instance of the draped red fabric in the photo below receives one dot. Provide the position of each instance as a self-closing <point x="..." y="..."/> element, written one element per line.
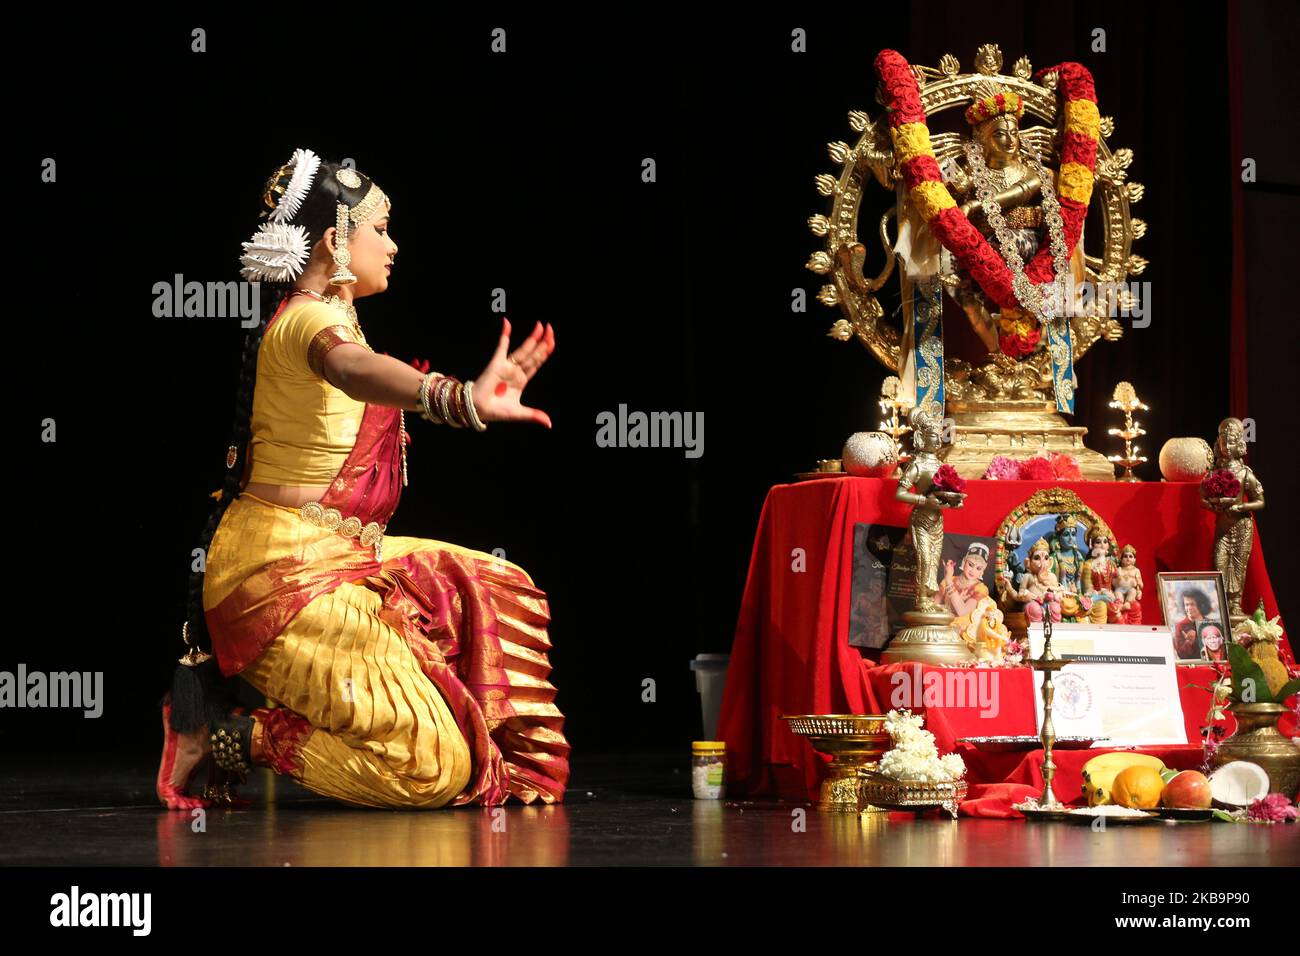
<point x="791" y="653"/>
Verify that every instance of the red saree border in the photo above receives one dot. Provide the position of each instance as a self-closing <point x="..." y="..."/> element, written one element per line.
<point x="282" y="735"/>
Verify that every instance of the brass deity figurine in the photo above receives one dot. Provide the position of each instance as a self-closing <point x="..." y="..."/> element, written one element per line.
<point x="927" y="636"/>
<point x="1019" y="193"/>
<point x="1234" y="528"/>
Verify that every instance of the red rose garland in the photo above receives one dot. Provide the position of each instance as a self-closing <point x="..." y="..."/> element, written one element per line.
<point x="950" y="225"/>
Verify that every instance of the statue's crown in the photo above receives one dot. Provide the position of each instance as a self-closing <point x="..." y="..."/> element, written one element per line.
<point x="993" y="99"/>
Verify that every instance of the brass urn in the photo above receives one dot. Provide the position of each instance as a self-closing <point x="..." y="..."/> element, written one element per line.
<point x="1258" y="741"/>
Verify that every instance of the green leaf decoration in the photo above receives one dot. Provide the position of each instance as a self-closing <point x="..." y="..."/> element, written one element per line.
<point x="1245" y="672"/>
<point x="1286" y="690"/>
<point x="1225" y="816"/>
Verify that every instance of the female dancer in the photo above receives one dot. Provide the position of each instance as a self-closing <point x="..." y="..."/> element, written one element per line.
<point x="405" y="672"/>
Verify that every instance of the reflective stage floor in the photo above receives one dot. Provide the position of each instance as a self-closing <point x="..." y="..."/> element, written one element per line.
<point x="621" y="810"/>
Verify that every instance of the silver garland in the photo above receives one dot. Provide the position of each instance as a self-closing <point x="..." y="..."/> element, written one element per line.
<point x="1041" y="300"/>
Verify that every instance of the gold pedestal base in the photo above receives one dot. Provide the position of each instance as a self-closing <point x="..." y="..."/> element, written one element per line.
<point x="853" y="741"/>
<point x="929" y="640"/>
<point x="1018" y="430"/>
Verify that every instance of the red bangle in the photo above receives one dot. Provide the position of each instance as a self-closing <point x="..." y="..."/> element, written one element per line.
<point x="458" y="401"/>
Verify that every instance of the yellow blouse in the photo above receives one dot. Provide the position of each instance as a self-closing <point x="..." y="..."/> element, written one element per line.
<point x="302" y="427"/>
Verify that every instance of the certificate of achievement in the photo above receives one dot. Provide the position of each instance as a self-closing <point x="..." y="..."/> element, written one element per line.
<point x="1125" y="686"/>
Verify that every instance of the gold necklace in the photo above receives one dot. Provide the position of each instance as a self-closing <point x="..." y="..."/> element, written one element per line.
<point x="339" y="303"/>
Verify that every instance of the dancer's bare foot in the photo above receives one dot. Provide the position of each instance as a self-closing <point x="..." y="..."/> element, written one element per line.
<point x="182" y="755"/>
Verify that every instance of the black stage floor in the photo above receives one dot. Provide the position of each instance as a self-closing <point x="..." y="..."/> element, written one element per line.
<point x="623" y="810"/>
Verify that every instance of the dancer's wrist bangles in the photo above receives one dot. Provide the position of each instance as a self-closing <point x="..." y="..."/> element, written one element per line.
<point x="445" y="400"/>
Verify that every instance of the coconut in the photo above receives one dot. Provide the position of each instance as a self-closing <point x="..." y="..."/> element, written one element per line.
<point x="1239" y="783"/>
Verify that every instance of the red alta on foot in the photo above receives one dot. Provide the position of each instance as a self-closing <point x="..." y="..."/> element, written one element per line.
<point x="170" y="794"/>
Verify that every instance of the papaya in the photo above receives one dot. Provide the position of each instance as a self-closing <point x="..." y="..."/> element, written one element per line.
<point x="1100" y="772"/>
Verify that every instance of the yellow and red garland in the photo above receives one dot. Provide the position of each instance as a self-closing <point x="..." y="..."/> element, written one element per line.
<point x="921" y="176"/>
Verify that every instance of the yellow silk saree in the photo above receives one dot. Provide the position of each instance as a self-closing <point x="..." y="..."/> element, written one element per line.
<point x="406" y="672"/>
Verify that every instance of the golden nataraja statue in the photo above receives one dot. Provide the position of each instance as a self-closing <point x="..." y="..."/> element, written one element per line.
<point x="989" y="216"/>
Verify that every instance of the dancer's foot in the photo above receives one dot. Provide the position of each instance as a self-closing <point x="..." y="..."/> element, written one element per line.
<point x="182" y="755"/>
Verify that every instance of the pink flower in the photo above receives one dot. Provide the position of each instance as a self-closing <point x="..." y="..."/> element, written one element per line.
<point x="1037" y="469"/>
<point x="1002" y="468"/>
<point x="947" y="479"/>
<point x="1274" y="808"/>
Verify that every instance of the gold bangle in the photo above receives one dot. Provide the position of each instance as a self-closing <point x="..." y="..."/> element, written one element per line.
<point x="426" y="408"/>
<point x="472" y="412"/>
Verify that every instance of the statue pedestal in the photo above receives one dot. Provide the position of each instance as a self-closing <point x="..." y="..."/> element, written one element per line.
<point x="981" y="431"/>
<point x="929" y="640"/>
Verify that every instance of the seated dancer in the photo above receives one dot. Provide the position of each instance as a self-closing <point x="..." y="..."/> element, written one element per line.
<point x="404" y="672"/>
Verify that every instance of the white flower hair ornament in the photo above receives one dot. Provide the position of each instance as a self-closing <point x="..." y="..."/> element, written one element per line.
<point x="304" y="165"/>
<point x="278" y="250"/>
<point x="276" y="253"/>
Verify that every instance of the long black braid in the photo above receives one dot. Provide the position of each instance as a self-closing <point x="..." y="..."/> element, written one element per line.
<point x="199" y="693"/>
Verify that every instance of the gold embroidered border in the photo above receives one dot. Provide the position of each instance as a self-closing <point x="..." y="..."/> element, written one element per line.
<point x="323" y="341"/>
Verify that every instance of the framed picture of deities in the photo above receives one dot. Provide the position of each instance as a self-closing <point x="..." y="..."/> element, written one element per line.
<point x="1195" y="608"/>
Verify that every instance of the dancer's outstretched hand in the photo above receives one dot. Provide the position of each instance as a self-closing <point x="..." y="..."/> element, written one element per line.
<point x="498" y="390"/>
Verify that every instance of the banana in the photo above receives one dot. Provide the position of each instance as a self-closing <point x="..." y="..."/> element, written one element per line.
<point x="1100" y="772"/>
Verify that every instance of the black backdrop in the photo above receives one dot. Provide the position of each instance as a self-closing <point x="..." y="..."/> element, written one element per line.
<point x="523" y="171"/>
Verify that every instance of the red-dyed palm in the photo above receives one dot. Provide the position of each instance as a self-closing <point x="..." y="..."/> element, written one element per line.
<point x="498" y="390"/>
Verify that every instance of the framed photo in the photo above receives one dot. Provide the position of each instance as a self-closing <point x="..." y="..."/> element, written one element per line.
<point x="884" y="579"/>
<point x="1195" y="604"/>
<point x="872" y="611"/>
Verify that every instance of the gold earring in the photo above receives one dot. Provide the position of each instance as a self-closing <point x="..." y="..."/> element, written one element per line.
<point x="342" y="257"/>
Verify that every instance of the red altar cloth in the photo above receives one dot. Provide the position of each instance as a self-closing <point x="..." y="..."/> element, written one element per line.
<point x="791" y="653"/>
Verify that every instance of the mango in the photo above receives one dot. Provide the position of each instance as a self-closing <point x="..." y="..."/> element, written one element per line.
<point x="1100" y="772"/>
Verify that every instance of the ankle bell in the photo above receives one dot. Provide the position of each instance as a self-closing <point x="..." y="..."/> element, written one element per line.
<point x="231" y="739"/>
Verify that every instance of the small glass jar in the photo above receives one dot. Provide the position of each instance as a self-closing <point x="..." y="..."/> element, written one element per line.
<point x="709" y="769"/>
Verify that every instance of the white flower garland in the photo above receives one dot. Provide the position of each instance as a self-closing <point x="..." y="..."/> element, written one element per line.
<point x="915" y="756"/>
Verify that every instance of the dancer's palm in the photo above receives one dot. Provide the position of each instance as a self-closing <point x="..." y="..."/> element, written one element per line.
<point x="498" y="390"/>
